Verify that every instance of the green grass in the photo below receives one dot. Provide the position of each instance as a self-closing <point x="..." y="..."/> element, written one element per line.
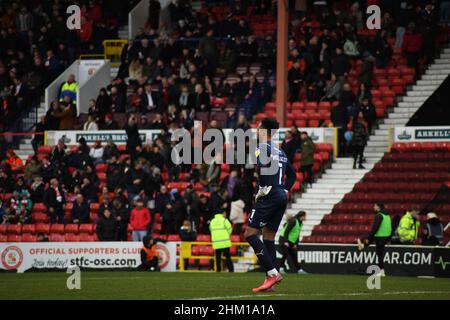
<point x="141" y="285"/>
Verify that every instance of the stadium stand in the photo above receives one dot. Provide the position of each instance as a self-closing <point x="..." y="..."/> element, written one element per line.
<point x="410" y="175"/>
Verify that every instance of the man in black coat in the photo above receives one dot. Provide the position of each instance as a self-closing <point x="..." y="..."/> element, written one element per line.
<point x="107" y="227"/>
<point x="341" y="65"/>
<point x="368" y="111"/>
<point x="359" y="140"/>
<point x="54" y="200"/>
<point x="289" y="146"/>
<point x="295" y="79"/>
<point x="48" y="169"/>
<point x="200" y="99"/>
<point x="80" y="210"/>
<point x="133" y="138"/>
<point x="149" y="99"/>
<point x="135" y="180"/>
<point x="38" y="139"/>
<point x="339" y="117"/>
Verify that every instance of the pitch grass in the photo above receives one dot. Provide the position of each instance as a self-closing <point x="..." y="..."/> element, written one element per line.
<point x="142" y="285"/>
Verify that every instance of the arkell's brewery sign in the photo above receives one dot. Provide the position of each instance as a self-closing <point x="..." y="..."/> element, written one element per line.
<point x="432" y="134"/>
<point x="422" y="134"/>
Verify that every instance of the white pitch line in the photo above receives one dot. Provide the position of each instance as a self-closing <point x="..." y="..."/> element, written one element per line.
<point x="108" y="278"/>
<point x="391" y="293"/>
<point x="324" y="294"/>
<point x="241" y="296"/>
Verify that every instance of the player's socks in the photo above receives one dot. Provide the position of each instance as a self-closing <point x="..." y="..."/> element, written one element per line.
<point x="270" y="246"/>
<point x="261" y="252"/>
<point x="272" y="273"/>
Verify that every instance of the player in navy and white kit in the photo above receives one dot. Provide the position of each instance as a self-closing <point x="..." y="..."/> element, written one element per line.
<point x="276" y="178"/>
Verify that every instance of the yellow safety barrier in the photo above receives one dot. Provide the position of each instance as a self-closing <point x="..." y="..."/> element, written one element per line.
<point x="113" y="50"/>
<point x="389" y="139"/>
<point x="336" y="143"/>
<point x="186" y="253"/>
<point x="92" y="56"/>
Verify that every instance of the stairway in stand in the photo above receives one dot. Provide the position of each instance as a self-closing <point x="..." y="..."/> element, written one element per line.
<point x="331" y="187"/>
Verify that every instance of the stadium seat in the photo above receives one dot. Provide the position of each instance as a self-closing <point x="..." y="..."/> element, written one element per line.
<point x="28" y="237"/>
<point x="71" y="229"/>
<point x="86" y="228"/>
<point x="14" y="238"/>
<point x="173" y="237"/>
<point x="56" y="237"/>
<point x="57" y="228"/>
<point x="42" y="227"/>
<point x="70" y="237"/>
<point x="14" y="229"/>
<point x="28" y="228"/>
<point x="204" y="238"/>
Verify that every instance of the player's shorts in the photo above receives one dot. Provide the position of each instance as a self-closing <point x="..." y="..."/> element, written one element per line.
<point x="269" y="210"/>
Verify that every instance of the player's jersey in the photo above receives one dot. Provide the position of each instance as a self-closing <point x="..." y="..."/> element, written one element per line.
<point x="272" y="166"/>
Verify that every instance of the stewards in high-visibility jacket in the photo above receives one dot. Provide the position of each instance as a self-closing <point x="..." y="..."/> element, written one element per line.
<point x="149" y="254"/>
<point x="69" y="88"/>
<point x="289" y="238"/>
<point x="380" y="234"/>
<point x="408" y="228"/>
<point x="220" y="228"/>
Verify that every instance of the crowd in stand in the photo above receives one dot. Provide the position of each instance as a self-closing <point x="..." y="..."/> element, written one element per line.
<point x="37" y="46"/>
<point x="169" y="72"/>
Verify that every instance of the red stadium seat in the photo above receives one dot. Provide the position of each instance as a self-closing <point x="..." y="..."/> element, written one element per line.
<point x="173" y="237"/>
<point x="29" y="228"/>
<point x="95" y="207"/>
<point x="56" y="237"/>
<point x="39" y="217"/>
<point x="42" y="227"/>
<point x="70" y="237"/>
<point x="14" y="229"/>
<point x="83" y="237"/>
<point x="204" y="238"/>
<point x="57" y="228"/>
<point x="28" y="238"/>
<point x="86" y="228"/>
<point x="14" y="238"/>
<point x="39" y="207"/>
<point x="71" y="228"/>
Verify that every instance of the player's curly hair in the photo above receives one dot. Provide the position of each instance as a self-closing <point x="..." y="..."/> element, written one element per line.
<point x="269" y="124"/>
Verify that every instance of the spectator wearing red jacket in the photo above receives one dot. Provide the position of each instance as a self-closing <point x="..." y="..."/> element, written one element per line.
<point x="140" y="219"/>
<point x="94" y="12"/>
<point x="412" y="45"/>
<point x="85" y="33"/>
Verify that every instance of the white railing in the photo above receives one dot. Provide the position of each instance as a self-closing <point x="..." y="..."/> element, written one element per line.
<point x="52" y="91"/>
<point x="89" y="90"/>
<point x="137" y="18"/>
<point x="91" y="75"/>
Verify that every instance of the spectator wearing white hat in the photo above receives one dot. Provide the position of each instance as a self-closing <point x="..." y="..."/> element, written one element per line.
<point x="433" y="232"/>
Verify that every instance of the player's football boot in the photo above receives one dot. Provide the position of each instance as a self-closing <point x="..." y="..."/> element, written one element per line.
<point x="268" y="283"/>
<point x="381" y="273"/>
